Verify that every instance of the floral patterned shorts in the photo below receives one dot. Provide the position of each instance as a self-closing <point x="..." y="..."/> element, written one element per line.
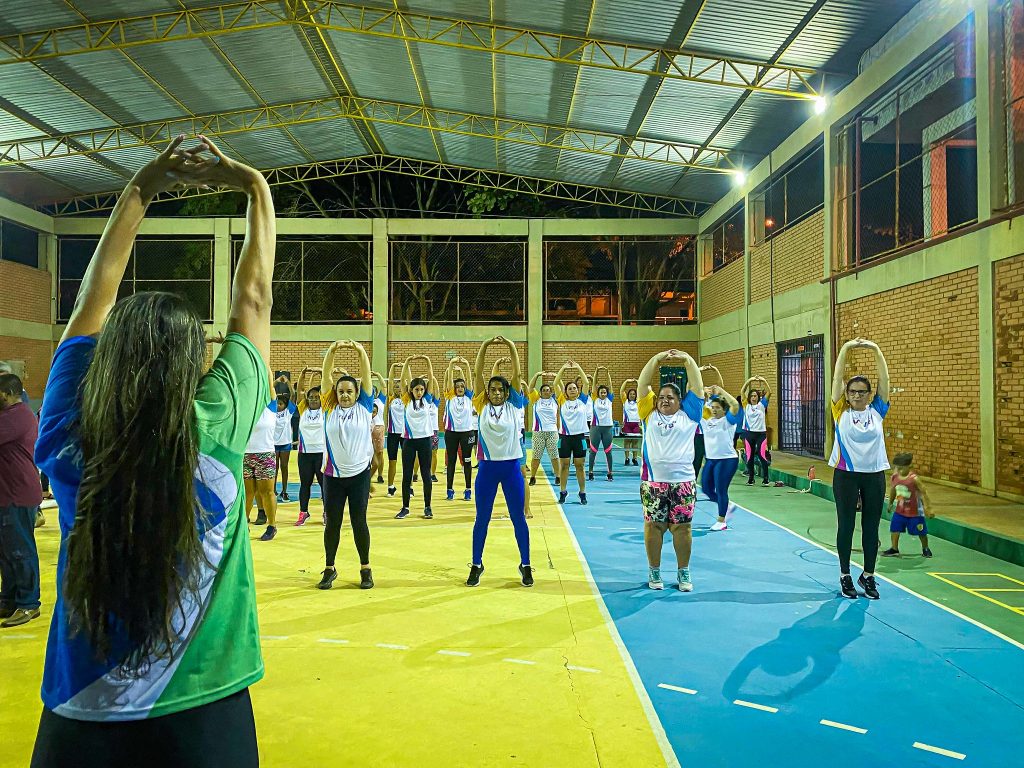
<point x="670" y="503"/>
<point x="259" y="466"/>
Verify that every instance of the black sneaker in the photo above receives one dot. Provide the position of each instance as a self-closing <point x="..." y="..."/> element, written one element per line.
<point x="269" y="534"/>
<point x="636" y="462"/>
<point x="590" y="475"/>
<point x="562" y="495"/>
<point x="750" y="481"/>
<point x="926" y="552"/>
<point x="891" y="552"/>
<point x="867" y="583"/>
<point x="474" y="575"/>
<point x="526" y="572"/>
<point x="328" y="578"/>
<point x="415" y="478"/>
<point x="380" y="479"/>
<point x="392" y="490"/>
<point x="583" y="499"/>
<point x="284" y="497"/>
<point x="846" y="585"/>
<point x="404" y="513"/>
<point x="365" y="578"/>
<point x="766" y="483"/>
<point x="261" y="517"/>
<point x="609" y="477"/>
<point x="533" y="481"/>
<point x="428" y="513"/>
<point x="433" y="478"/>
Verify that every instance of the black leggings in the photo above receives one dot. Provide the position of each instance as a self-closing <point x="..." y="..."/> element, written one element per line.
<point x="211" y="736"/>
<point x="356" y="491"/>
<point x="453" y="441"/>
<point x="755" y="450"/>
<point x="309" y="468"/>
<point x="698" y="454"/>
<point x="869" y="487"/>
<point x="411" y="448"/>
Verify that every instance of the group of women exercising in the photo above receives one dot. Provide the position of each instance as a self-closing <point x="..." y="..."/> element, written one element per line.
<point x="154" y="638"/>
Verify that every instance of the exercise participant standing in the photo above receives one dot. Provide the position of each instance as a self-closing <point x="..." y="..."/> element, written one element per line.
<point x="312" y="444"/>
<point x="459" y="429"/>
<point x="667" y="481"/>
<point x="284" y="435"/>
<point x="755" y="433"/>
<point x="630" y="422"/>
<point x="720" y="444"/>
<point x="396" y="427"/>
<point x="545" y="427"/>
<point x="572" y="428"/>
<point x="859" y="459"/>
<point x="418" y="435"/>
<point x="602" y="428"/>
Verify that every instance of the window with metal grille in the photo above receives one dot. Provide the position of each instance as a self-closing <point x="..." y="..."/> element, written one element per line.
<point x="907" y="164"/>
<point x="793" y="194"/>
<point x="457" y="281"/>
<point x="19" y="244"/>
<point x="802" y="396"/>
<point x="723" y="243"/>
<point x="620" y="281"/>
<point x="320" y="280"/>
<point x="176" y="265"/>
<point x="1013" y="91"/>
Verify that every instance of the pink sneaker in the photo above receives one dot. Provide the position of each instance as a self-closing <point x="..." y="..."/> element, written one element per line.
<point x="303" y="517"/>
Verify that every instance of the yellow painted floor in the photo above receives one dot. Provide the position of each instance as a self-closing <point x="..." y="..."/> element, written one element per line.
<point x="336" y="694"/>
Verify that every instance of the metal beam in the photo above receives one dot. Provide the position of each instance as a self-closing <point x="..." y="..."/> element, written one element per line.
<point x="636" y="201"/>
<point x="157" y="132"/>
<point x="195" y="23"/>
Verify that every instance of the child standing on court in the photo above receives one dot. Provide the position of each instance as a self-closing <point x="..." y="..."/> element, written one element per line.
<point x="911" y="499"/>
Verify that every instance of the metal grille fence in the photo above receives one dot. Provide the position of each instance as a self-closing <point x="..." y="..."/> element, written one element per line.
<point x="908" y="163"/>
<point x="620" y="281"/>
<point x="789" y="198"/>
<point x="802" y="396"/>
<point x="180" y="266"/>
<point x="320" y="281"/>
<point x="1013" y="80"/>
<point x="458" y="281"/>
<point x="724" y="244"/>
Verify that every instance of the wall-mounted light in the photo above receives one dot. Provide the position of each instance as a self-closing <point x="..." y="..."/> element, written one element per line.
<point x="820" y="105"/>
<point x="740" y="178"/>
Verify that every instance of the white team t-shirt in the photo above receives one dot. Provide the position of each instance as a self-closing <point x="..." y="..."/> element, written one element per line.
<point x="754" y="415"/>
<point x="349" y="445"/>
<point x="572" y="415"/>
<point x="860" y="438"/>
<point x="603" y="411"/>
<point x="500" y="431"/>
<point x="668" y="440"/>
<point x="283" y="424"/>
<point x="720" y="435"/>
<point x="379" y="404"/>
<point x="311" y="431"/>
<point x="396" y="416"/>
<point x="630" y="412"/>
<point x="545" y="414"/>
<point x="458" y="412"/>
<point x="262" y="438"/>
<point x="420" y="417"/>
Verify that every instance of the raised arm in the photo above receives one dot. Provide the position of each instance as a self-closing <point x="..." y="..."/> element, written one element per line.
<point x="745" y="389"/>
<point x="585" y="384"/>
<point x="767" y="386"/>
<point x="624" y="389"/>
<point x="694" y="379"/>
<point x="883" y="370"/>
<point x="838" y="383"/>
<point x="365" y="372"/>
<point x="407" y="377"/>
<point x="327" y="395"/>
<point x="706" y="370"/>
<point x="513" y="356"/>
<point x="557" y="383"/>
<point x="734" y="406"/>
<point x="496" y="367"/>
<point x="478" y="366"/>
<point x="645" y="380"/>
<point x="532" y="386"/>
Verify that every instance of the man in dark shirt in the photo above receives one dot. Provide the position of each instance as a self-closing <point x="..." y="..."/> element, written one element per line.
<point x="20" y="496"/>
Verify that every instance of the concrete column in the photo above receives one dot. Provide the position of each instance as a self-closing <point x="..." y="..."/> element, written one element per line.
<point x="990" y="119"/>
<point x="747" y="234"/>
<point x="380" y="296"/>
<point x="48" y="261"/>
<point x="987" y="369"/>
<point x="535" y="298"/>
<point x="829" y="260"/>
<point x="221" y="273"/>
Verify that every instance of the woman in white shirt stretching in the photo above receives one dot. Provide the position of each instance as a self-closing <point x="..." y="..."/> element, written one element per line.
<point x="720" y="449"/>
<point x="755" y="433"/>
<point x="603" y="422"/>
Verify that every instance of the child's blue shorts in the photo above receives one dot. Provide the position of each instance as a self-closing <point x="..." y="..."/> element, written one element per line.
<point x="915" y="526"/>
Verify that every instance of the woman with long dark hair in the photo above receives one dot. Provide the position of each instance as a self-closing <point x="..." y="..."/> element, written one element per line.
<point x="630" y="422"/>
<point x="144" y="454"/>
<point x="572" y="427"/>
<point x="285" y="437"/>
<point x="348" y="404"/>
<point x="418" y="435"/>
<point x="312" y="444"/>
<point x="719" y="424"/>
<point x="545" y="426"/>
<point x="459" y="427"/>
<point x="860" y="462"/>
<point x="755" y="433"/>
<point x="603" y="422"/>
<point x="395" y="416"/>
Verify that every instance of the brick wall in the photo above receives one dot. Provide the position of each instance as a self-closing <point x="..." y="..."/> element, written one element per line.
<point x="798" y="257"/>
<point x="1008" y="301"/>
<point x="731" y="365"/>
<point x="36" y="355"/>
<point x="439" y="354"/>
<point x="24" y="293"/>
<point x="928" y="332"/>
<point x="721" y="292"/>
<point x="764" y="361"/>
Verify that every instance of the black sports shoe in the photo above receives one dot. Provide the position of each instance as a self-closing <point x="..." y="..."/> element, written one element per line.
<point x="261" y="517"/>
<point x="846" y="585"/>
<point x="590" y="475"/>
<point x="269" y="534"/>
<point x="380" y="479"/>
<point x="474" y="575"/>
<point x="365" y="578"/>
<point x="533" y="481"/>
<point x="750" y="481"/>
<point x="609" y="477"/>
<point x="926" y="552"/>
<point x="404" y="513"/>
<point x="583" y="499"/>
<point x="415" y="478"/>
<point x="636" y="462"/>
<point x="891" y="552"/>
<point x="428" y="513"/>
<point x="562" y="495"/>
<point x="433" y="478"/>
<point x="392" y="490"/>
<point x="867" y="583"/>
<point x="526" y="572"/>
<point x="627" y="462"/>
<point x="328" y="579"/>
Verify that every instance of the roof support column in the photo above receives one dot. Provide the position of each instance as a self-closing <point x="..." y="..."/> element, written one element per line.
<point x="379" y="300"/>
<point x="535" y="297"/>
<point x="747" y="232"/>
<point x="828" y="243"/>
<point x="221" y="273"/>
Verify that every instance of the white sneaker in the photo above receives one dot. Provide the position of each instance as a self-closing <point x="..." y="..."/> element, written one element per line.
<point x="685" y="585"/>
<point x="719" y="526"/>
<point x="654" y="579"/>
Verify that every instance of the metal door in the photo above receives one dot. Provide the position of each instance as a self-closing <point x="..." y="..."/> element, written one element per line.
<point x="802" y="396"/>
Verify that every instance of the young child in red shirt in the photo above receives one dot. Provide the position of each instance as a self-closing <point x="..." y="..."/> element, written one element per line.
<point x="911" y="505"/>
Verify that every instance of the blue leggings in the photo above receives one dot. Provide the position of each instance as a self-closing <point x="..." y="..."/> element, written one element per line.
<point x="718" y="473"/>
<point x="507" y="474"/>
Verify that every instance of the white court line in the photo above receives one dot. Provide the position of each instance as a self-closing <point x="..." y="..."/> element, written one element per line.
<point x="9" y="636"/>
<point x="939" y="751"/>
<point x="454" y="653"/>
<point x="393" y="647"/>
<point x="671" y="761"/>
<point x="908" y="590"/>
<point x="752" y="705"/>
<point x="595" y="527"/>
<point x="274" y="637"/>
<point x="843" y="726"/>
<point x="668" y="687"/>
<point x="629" y="528"/>
<point x="574" y="668"/>
<point x="520" y="661"/>
<point x="332" y="640"/>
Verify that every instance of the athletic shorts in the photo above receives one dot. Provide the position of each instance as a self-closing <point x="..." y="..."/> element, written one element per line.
<point x="670" y="503"/>
<point x="574" y="446"/>
<point x="377" y="435"/>
<point x="435" y="441"/>
<point x="259" y="466"/>
<point x="630" y="429"/>
<point x="545" y="442"/>
<point x="915" y="526"/>
<point x="394" y="444"/>
<point x="283" y="448"/>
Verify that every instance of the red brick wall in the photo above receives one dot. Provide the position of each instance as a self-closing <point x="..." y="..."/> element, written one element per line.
<point x="928" y="332"/>
<point x="24" y="293"/>
<point x="798" y="257"/>
<point x="36" y="355"/>
<point x="1008" y="304"/>
<point x="721" y="292"/>
<point x="731" y="366"/>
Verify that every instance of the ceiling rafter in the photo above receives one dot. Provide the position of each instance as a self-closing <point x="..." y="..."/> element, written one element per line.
<point x="730" y="72"/>
<point x="577" y="77"/>
<point x="456" y="174"/>
<point x="95" y="141"/>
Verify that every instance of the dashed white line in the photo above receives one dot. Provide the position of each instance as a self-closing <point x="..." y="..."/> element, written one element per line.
<point x="574" y="668"/>
<point x="274" y="637"/>
<point x="520" y="661"/>
<point x="332" y="640"/>
<point x="454" y="653"/>
<point x="843" y="726"/>
<point x="939" y="751"/>
<point x="629" y="528"/>
<point x="752" y="705"/>
<point x="9" y="636"/>
<point x="676" y="688"/>
<point x="595" y="527"/>
<point x="393" y="647"/>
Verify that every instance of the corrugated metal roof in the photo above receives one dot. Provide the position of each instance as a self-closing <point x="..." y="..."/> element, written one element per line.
<point x="752" y="29"/>
<point x="403" y="141"/>
<point x="638" y="21"/>
<point x="329" y="140"/>
<point x="33" y="91"/>
<point x="685" y="111"/>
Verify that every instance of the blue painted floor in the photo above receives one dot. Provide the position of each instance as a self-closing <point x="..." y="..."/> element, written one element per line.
<point x="765" y="625"/>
